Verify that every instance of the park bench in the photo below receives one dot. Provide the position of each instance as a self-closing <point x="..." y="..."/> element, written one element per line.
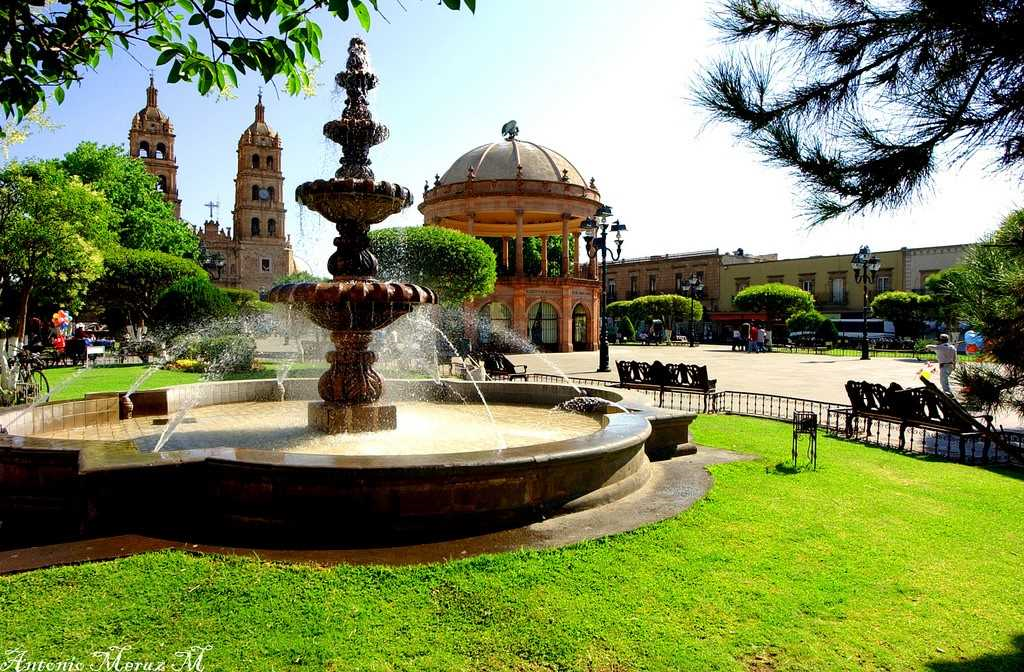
<point x="925" y="407"/>
<point x="497" y="365"/>
<point x="672" y="377"/>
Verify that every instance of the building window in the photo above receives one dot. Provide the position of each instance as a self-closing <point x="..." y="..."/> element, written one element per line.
<point x="741" y="284"/>
<point x="632" y="285"/>
<point x="652" y="284"/>
<point x="807" y="283"/>
<point x="838" y="287"/>
<point x="255" y="192"/>
<point x="543" y="324"/>
<point x="270" y="190"/>
<point x="254" y="226"/>
<point x="679" y="282"/>
<point x="271" y="227"/>
<point x="270" y="163"/>
<point x="161" y="151"/>
<point x="144" y="148"/>
<point x="777" y="279"/>
<point x="612" y="293"/>
<point x="161" y="184"/>
<point x="265" y="264"/>
<point x="255" y="160"/>
<point x="883" y="282"/>
<point x="700" y="277"/>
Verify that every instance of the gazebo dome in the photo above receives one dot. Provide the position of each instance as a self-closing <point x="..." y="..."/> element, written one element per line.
<point x="513" y="159"/>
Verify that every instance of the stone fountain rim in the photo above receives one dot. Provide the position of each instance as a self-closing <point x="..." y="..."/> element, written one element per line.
<point x="619" y="431"/>
<point x="352" y="291"/>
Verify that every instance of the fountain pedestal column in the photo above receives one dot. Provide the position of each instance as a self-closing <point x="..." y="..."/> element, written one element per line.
<point x="350" y="389"/>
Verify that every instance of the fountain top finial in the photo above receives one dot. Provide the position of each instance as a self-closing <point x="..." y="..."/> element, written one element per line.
<point x="356" y="131"/>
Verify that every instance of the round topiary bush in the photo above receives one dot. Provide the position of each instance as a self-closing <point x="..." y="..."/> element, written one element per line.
<point x="457" y="266"/>
<point x="190" y="301"/>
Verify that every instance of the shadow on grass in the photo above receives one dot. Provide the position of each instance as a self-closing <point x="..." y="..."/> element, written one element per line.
<point x="787" y="469"/>
<point x="992" y="662"/>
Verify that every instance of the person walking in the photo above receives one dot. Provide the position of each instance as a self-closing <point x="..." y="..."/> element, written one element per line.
<point x="737" y="340"/>
<point x="946" y="356"/>
<point x="762" y="335"/>
<point x="752" y="338"/>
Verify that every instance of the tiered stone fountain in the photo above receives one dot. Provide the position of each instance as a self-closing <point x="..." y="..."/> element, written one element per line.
<point x="354" y="305"/>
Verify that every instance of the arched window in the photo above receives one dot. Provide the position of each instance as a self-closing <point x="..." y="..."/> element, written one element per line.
<point x="254" y="226"/>
<point x="255" y="160"/>
<point x="579" y="327"/>
<point x="494" y="319"/>
<point x="270" y="163"/>
<point x="542" y="321"/>
<point x="270" y="190"/>
<point x="271" y="227"/>
<point x="255" y="193"/>
<point x="161" y="184"/>
<point x="161" y="151"/>
<point x="144" y="148"/>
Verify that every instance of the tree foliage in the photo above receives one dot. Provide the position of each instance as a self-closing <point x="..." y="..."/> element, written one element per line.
<point x="991" y="291"/>
<point x="144" y="218"/>
<point x="209" y="42"/>
<point x="134" y="280"/>
<point x="862" y="99"/>
<point x="776" y="299"/>
<point x="666" y="307"/>
<point x="805" y="321"/>
<point x="457" y="266"/>
<point x="945" y="289"/>
<point x="906" y="310"/>
<point x="52" y="228"/>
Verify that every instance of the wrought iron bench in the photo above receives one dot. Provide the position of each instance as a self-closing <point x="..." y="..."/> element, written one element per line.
<point x="657" y="376"/>
<point x="925" y="407"/>
<point x="497" y="365"/>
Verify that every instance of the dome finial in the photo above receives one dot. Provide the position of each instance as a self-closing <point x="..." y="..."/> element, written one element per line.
<point x="510" y="130"/>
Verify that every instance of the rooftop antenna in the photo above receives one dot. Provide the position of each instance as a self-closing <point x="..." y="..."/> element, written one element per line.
<point x="510" y="130"/>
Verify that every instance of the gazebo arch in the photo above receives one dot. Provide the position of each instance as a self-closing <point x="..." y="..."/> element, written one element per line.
<point x="493" y="317"/>
<point x="542" y="324"/>
<point x="580" y="327"/>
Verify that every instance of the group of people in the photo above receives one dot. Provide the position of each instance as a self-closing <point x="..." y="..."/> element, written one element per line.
<point x="75" y="346"/>
<point x="749" y="337"/>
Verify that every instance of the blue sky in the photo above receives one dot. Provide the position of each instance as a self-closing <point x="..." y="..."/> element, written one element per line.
<point x="606" y="83"/>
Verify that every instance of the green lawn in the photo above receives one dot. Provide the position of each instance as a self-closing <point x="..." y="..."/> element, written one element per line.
<point x="118" y="378"/>
<point x="876" y="561"/>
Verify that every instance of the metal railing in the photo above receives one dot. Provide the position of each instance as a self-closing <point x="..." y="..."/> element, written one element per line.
<point x="831" y="415"/>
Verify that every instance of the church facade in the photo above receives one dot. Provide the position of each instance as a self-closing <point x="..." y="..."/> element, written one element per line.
<point x="256" y="249"/>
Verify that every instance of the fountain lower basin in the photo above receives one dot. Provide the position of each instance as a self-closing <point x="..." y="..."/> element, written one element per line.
<point x="72" y="488"/>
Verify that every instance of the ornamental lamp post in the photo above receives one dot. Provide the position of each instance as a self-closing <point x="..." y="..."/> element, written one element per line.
<point x="211" y="263"/>
<point x="865" y="269"/>
<point x="695" y="290"/>
<point x="597" y="228"/>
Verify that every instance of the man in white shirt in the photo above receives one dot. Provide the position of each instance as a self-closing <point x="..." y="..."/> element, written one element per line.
<point x="946" y="355"/>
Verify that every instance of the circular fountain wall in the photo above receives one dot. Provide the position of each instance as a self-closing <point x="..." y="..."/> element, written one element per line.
<point x="223" y="484"/>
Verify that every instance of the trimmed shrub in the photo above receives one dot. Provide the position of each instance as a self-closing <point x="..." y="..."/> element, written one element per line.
<point x="618" y="309"/>
<point x="827" y="332"/>
<point x="626" y="328"/>
<point x="776" y="299"/>
<point x="906" y="310"/>
<point x="457" y="266"/>
<point x="224" y="354"/>
<point x="192" y="300"/>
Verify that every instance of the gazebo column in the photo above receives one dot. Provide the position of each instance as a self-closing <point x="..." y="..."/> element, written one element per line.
<point x="504" y="253"/>
<point x="565" y="321"/>
<point x="565" y="245"/>
<point x="519" y="322"/>
<point x="471" y="224"/>
<point x="519" y="244"/>
<point x="544" y="256"/>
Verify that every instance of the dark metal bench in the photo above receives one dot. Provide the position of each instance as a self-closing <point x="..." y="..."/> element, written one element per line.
<point x="497" y="365"/>
<point x="925" y="407"/>
<point x="661" y="377"/>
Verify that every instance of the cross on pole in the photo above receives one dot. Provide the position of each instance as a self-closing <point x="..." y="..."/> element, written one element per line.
<point x="211" y="205"/>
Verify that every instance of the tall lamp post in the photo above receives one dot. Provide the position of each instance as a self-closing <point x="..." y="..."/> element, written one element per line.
<point x="597" y="228"/>
<point x="865" y="269"/>
<point x="695" y="290"/>
<point x="213" y="263"/>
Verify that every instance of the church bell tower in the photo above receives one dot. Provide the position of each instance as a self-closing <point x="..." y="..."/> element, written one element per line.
<point x="151" y="139"/>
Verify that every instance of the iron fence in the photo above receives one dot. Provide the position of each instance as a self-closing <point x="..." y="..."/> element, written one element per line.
<point x="833" y="416"/>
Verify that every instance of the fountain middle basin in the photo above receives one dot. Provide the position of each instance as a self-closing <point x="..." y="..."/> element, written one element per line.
<point x="237" y="492"/>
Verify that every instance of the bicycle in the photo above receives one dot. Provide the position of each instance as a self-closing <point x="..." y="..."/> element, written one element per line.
<point x="27" y="377"/>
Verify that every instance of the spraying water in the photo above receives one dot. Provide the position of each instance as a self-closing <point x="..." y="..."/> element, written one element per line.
<point x="49" y="395"/>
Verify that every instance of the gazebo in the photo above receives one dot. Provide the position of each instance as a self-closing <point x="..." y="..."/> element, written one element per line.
<point x="508" y="193"/>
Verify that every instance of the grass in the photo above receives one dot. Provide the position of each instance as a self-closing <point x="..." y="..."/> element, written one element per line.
<point x="77" y="382"/>
<point x="877" y="561"/>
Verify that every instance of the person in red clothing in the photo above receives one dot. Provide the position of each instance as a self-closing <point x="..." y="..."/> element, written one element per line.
<point x="752" y="339"/>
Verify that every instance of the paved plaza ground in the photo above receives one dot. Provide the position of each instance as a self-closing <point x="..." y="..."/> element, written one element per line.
<point x="819" y="377"/>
